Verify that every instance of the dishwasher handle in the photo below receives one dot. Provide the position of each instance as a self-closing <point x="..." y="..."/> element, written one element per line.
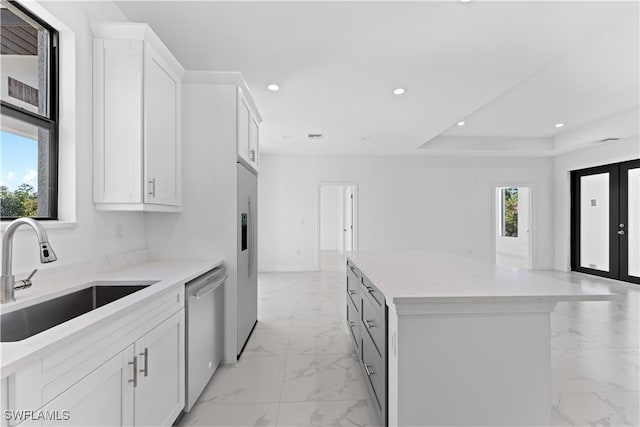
<point x="205" y="290"/>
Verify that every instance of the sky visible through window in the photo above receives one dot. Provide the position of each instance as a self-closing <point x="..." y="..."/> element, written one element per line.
<point x="18" y="161"/>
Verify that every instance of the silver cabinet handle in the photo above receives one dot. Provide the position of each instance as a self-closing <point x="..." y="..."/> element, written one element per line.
<point x="135" y="371"/>
<point x="369" y="324"/>
<point x="145" y="354"/>
<point x="621" y="232"/>
<point x="352" y="324"/>
<point x="352" y="292"/>
<point x="152" y="187"/>
<point x="366" y="368"/>
<point x="369" y="289"/>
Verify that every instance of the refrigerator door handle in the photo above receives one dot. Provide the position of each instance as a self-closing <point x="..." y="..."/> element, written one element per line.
<point x="250" y="236"/>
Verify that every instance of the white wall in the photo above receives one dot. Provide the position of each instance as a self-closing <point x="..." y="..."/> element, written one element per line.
<point x="207" y="226"/>
<point x="517" y="246"/>
<point x="331" y="217"/>
<point x="94" y="232"/>
<point x="403" y="203"/>
<point x="598" y="154"/>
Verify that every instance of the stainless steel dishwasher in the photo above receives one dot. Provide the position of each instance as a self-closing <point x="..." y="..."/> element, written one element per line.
<point x="204" y="331"/>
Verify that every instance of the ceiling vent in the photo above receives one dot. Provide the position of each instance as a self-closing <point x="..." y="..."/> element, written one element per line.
<point x="314" y="136"/>
<point x="608" y="140"/>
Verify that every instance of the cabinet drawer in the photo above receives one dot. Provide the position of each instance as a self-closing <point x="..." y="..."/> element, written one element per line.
<point x="369" y="289"/>
<point x="353" y="323"/>
<point x="353" y="285"/>
<point x="374" y="369"/>
<point x="374" y="325"/>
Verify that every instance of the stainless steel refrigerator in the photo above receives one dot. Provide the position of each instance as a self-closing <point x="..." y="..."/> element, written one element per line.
<point x="247" y="254"/>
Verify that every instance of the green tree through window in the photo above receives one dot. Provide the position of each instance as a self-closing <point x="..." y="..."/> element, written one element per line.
<point x="23" y="201"/>
<point x="510" y="212"/>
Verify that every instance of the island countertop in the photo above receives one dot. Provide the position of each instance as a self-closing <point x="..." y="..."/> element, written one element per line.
<point x="439" y="277"/>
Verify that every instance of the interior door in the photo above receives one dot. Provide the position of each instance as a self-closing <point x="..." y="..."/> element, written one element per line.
<point x="605" y="215"/>
<point x="348" y="220"/>
<point x="629" y="225"/>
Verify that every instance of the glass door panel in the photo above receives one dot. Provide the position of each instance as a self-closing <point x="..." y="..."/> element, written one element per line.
<point x="605" y="221"/>
<point x="632" y="228"/>
<point x="594" y="221"/>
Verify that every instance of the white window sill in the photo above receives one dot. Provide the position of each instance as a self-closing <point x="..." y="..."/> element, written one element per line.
<point x="48" y="225"/>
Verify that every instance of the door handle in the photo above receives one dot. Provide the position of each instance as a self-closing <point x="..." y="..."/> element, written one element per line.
<point x="152" y="183"/>
<point x="145" y="354"/>
<point x="250" y="236"/>
<point x="135" y="371"/>
<point x="366" y="368"/>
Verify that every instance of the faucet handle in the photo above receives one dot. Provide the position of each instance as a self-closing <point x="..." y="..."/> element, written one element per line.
<point x="26" y="283"/>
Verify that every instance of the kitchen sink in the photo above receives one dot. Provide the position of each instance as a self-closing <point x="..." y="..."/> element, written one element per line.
<point x="29" y="321"/>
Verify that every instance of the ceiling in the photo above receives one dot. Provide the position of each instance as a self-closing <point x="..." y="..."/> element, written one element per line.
<point x="508" y="69"/>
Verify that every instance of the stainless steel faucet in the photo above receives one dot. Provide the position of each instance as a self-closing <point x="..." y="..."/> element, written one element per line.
<point x="7" y="280"/>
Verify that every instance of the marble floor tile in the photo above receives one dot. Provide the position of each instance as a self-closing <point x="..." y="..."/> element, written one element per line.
<point x="251" y="380"/>
<point x="596" y="409"/>
<point x="331" y="377"/>
<point x="595" y="370"/>
<point x="268" y="342"/>
<point x="208" y="414"/>
<point x="312" y="341"/>
<point x="338" y="413"/>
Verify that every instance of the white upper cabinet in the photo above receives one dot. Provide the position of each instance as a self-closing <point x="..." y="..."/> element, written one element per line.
<point x="137" y="113"/>
<point x="248" y="129"/>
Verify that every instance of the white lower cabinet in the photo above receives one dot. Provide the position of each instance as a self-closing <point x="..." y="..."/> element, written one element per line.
<point x="104" y="397"/>
<point x="159" y="392"/>
<point x="130" y="372"/>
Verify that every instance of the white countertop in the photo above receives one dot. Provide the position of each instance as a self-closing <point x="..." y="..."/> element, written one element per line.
<point x="14" y="355"/>
<point x="438" y="277"/>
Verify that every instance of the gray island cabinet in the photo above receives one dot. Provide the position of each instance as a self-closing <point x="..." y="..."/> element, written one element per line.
<point x="449" y="340"/>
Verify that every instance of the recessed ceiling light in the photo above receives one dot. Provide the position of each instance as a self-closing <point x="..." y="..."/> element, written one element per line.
<point x="465" y="1"/>
<point x="399" y="91"/>
<point x="461" y="123"/>
<point x="273" y="87"/>
<point x="559" y="125"/>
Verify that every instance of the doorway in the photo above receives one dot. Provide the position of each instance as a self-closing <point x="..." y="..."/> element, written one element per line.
<point x="512" y="235"/>
<point x="336" y="223"/>
<point x="605" y="221"/>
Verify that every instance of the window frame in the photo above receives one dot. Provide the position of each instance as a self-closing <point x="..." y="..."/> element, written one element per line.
<point x="50" y="123"/>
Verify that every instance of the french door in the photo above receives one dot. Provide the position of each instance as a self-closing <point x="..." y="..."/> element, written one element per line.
<point x="605" y="221"/>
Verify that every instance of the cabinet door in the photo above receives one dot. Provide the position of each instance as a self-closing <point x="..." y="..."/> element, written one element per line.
<point x="159" y="396"/>
<point x="104" y="397"/>
<point x="161" y="99"/>
<point x="117" y="97"/>
<point x="254" y="139"/>
<point x="244" y="126"/>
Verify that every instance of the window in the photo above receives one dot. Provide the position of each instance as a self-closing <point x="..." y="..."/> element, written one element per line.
<point x="509" y="212"/>
<point x="29" y="121"/>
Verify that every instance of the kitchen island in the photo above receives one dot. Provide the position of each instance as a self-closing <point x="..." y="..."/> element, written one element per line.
<point x="449" y="340"/>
